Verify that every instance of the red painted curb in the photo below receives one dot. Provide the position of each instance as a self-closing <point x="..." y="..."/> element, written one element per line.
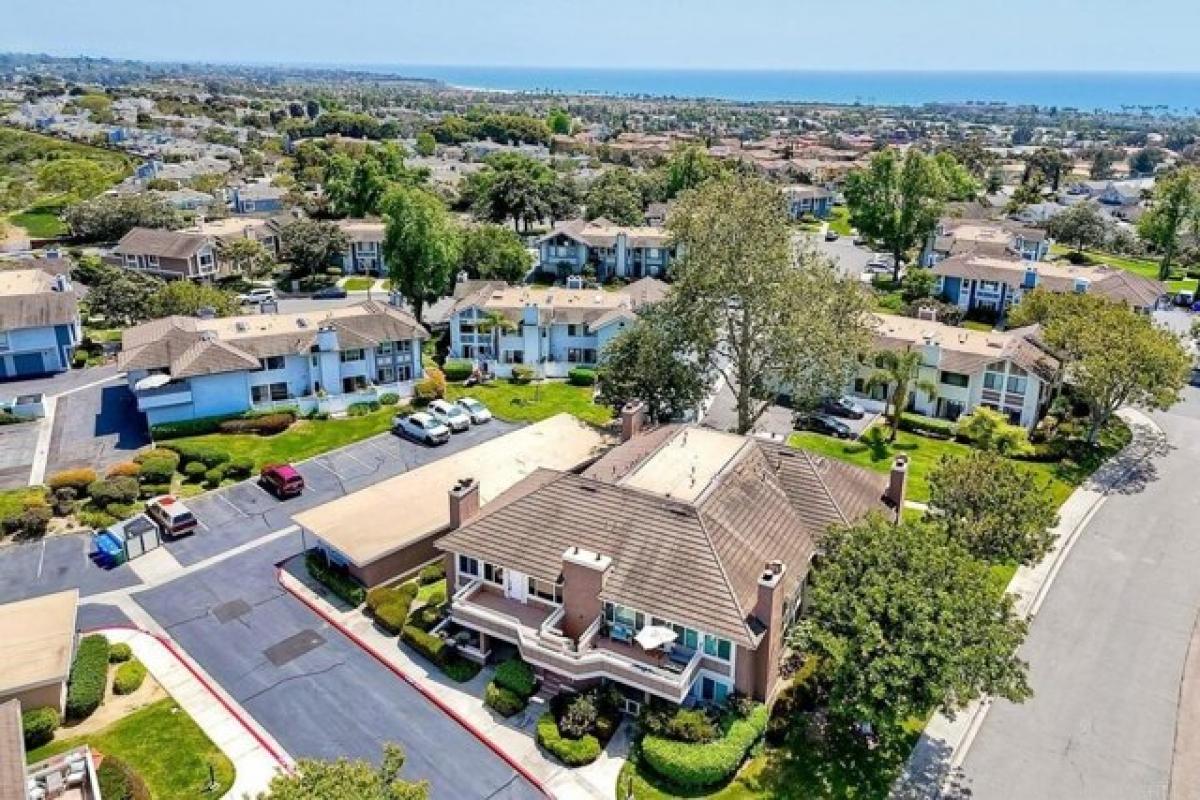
<point x="428" y="695"/>
<point x="284" y="762"/>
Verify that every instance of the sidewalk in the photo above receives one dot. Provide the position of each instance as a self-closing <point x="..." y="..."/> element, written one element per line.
<point x="254" y="763"/>
<point x="933" y="768"/>
<point x="514" y="738"/>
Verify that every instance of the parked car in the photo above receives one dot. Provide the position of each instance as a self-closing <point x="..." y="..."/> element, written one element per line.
<point x="831" y="235"/>
<point x="842" y="407"/>
<point x="823" y="423"/>
<point x="878" y="266"/>
<point x="421" y="427"/>
<point x="281" y="480"/>
<point x="329" y="293"/>
<point x="476" y="410"/>
<point x="450" y="415"/>
<point x="256" y="296"/>
<point x="171" y="515"/>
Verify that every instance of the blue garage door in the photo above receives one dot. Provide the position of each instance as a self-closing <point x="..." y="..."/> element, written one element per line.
<point x="28" y="364"/>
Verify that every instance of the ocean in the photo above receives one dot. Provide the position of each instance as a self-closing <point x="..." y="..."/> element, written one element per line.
<point x="1176" y="93"/>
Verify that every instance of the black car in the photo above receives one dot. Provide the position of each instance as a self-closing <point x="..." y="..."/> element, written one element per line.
<point x="329" y="293"/>
<point x="823" y="423"/>
<point x="842" y="407"/>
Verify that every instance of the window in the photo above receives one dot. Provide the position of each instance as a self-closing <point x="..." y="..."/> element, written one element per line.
<point x="989" y="287"/>
<point x="954" y="379"/>
<point x="493" y="574"/>
<point x="385" y="374"/>
<point x="513" y="356"/>
<point x="354" y="383"/>
<point x="652" y="252"/>
<point x="993" y="381"/>
<point x="721" y="649"/>
<point x="581" y="355"/>
<point x="355" y="354"/>
<point x="572" y="330"/>
<point x="270" y="362"/>
<point x="3" y="340"/>
<point x="269" y="391"/>
<point x="468" y="566"/>
<point x="1016" y="384"/>
<point x="385" y="348"/>
<point x="550" y="592"/>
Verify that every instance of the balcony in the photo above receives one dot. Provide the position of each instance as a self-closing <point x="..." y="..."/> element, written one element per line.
<point x="534" y="629"/>
<point x="173" y="394"/>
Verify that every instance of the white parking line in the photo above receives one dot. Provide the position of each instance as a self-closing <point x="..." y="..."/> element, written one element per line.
<point x="358" y="461"/>
<point x="41" y="559"/>
<point x="329" y="468"/>
<point x="229" y="503"/>
<point x="381" y="449"/>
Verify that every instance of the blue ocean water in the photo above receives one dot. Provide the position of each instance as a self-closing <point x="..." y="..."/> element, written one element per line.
<point x="1178" y="93"/>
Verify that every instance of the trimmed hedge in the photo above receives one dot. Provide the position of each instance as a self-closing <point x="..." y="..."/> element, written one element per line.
<point x="89" y="674"/>
<point x="335" y="580"/>
<point x="191" y="452"/>
<point x="114" y="491"/>
<point x="264" y="425"/>
<point x="194" y="471"/>
<point x="389" y="399"/>
<point x="432" y="573"/>
<point x="129" y="677"/>
<point x="522" y="373"/>
<point x="77" y="479"/>
<point x="240" y="467"/>
<point x="582" y="376"/>
<point x="699" y="766"/>
<point x="504" y="701"/>
<point x="118" y="781"/>
<point x="39" y="725"/>
<point x="362" y="409"/>
<point x="389" y="606"/>
<point x="188" y="427"/>
<point x="571" y="752"/>
<point x="929" y="426"/>
<point x="425" y="617"/>
<point x="213" y="477"/>
<point x="158" y="465"/>
<point x="119" y="653"/>
<point x="517" y="677"/>
<point x="458" y="369"/>
<point x="125" y="469"/>
<point x="432" y="647"/>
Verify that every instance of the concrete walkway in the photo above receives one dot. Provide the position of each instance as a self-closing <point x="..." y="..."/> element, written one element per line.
<point x="933" y="769"/>
<point x="248" y="749"/>
<point x="514" y="737"/>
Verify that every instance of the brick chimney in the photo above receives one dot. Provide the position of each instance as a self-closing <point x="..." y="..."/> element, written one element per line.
<point x="897" y="485"/>
<point x="584" y="574"/>
<point x="464" y="502"/>
<point x="768" y="609"/>
<point x="633" y="416"/>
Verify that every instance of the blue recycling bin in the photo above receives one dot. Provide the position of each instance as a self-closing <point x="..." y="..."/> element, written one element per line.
<point x="110" y="548"/>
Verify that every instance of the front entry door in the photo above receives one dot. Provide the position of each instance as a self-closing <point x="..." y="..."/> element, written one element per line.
<point x="516" y="585"/>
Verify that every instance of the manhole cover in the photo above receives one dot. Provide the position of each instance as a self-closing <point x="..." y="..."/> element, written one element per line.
<point x="231" y="610"/>
<point x="293" y="647"/>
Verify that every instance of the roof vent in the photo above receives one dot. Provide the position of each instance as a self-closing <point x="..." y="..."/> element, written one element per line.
<point x="301" y="322"/>
<point x="241" y="326"/>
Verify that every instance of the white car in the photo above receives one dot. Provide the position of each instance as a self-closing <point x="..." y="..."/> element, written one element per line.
<point x="450" y="415"/>
<point x="476" y="410"/>
<point x="256" y="296"/>
<point x="422" y="427"/>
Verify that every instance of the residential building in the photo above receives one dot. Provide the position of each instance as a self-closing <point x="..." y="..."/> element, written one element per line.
<point x="187" y="199"/>
<point x="364" y="255"/>
<point x="183" y="368"/>
<point x="550" y="329"/>
<point x="670" y="568"/>
<point x="1009" y="372"/>
<point x="978" y="237"/>
<point x="808" y="201"/>
<point x="168" y="254"/>
<point x="264" y="230"/>
<point x="611" y="250"/>
<point x="257" y="198"/>
<point x="69" y="775"/>
<point x="975" y="282"/>
<point x="39" y="319"/>
<point x="39" y="645"/>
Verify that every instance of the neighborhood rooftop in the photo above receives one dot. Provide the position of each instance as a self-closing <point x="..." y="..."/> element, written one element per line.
<point x="964" y="349"/>
<point x="37" y="639"/>
<point x="31" y="298"/>
<point x="558" y="304"/>
<point x="601" y="232"/>
<point x="1055" y="276"/>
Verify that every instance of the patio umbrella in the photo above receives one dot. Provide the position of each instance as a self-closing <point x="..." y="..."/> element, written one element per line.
<point x="653" y="636"/>
<point x="152" y="382"/>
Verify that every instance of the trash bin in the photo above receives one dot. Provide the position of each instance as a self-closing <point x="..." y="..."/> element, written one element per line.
<point x="110" y="548"/>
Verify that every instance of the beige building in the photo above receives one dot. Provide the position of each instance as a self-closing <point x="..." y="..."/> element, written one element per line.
<point x="37" y="639"/>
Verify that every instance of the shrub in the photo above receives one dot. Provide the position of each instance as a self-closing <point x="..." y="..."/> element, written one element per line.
<point x="698" y="766"/>
<point x="684" y="725"/>
<point x="89" y="674"/>
<point x="213" y="477"/>
<point x="522" y="373"/>
<point x="990" y="430"/>
<point x="432" y="647"/>
<point x="158" y="465"/>
<point x="129" y="677"/>
<point x="504" y="701"/>
<point x="118" y="781"/>
<point x="205" y="454"/>
<point x="391" y="616"/>
<point x="92" y="518"/>
<point x="39" y="725"/>
<point x="582" y="376"/>
<point x="517" y="677"/>
<point x="125" y="469"/>
<point x="458" y="369"/>
<point x="928" y="426"/>
<point x="362" y="409"/>
<point x="432" y="573"/>
<point x="187" y="427"/>
<point x="77" y="479"/>
<point x="115" y="491"/>
<point x="383" y="595"/>
<point x="389" y="399"/>
<point x="31" y="523"/>
<point x="432" y="386"/>
<point x="240" y="467"/>
<point x="263" y="425"/>
<point x="390" y="605"/>
<point x="436" y="598"/>
<point x="119" y="653"/>
<point x="571" y="752"/>
<point x="579" y="717"/>
<point x="63" y="500"/>
<point x="154" y="490"/>
<point x="425" y="617"/>
<point x="461" y="670"/>
<point x="194" y="471"/>
<point x="335" y="579"/>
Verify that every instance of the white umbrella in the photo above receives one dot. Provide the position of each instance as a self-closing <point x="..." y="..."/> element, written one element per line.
<point x="653" y="636"/>
<point x="152" y="382"/>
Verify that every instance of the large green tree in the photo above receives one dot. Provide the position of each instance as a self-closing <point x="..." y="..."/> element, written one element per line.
<point x="1050" y="163"/>
<point x="493" y="252"/>
<point x="106" y="219"/>
<point x="310" y="245"/>
<point x="247" y="256"/>
<point x="421" y="245"/>
<point x="78" y="178"/>
<point x="511" y="186"/>
<point x="689" y="166"/>
<point x="1081" y="226"/>
<point x="995" y="508"/>
<point x="616" y="196"/>
<point x="897" y="200"/>
<point x="760" y="312"/>
<point x="345" y="779"/>
<point x="1174" y="210"/>
<point x="121" y="296"/>
<point x="355" y="184"/>
<point x="905" y="621"/>
<point x="186" y="298"/>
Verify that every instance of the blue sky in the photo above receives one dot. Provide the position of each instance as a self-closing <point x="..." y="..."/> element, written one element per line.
<point x="715" y="34"/>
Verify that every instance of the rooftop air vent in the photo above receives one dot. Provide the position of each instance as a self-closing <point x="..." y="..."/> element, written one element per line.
<point x="301" y="322"/>
<point x="241" y="326"/>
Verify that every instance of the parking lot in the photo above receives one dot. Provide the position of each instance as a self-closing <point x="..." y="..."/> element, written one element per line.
<point x="319" y="694"/>
<point x="17" y="444"/>
<point x="56" y="563"/>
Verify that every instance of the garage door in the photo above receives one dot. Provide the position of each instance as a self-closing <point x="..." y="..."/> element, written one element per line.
<point x="29" y="364"/>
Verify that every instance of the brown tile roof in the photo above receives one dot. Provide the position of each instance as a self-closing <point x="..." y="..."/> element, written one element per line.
<point x="1130" y="288"/>
<point x="161" y="243"/>
<point x="965" y="350"/>
<point x="28" y="299"/>
<point x="601" y="232"/>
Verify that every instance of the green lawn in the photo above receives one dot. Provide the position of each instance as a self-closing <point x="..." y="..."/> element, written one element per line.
<point x="839" y="221"/>
<point x="358" y="284"/>
<point x="975" y="325"/>
<point x="164" y="746"/>
<point x="1146" y="267"/>
<point x="39" y="223"/>
<point x="533" y="402"/>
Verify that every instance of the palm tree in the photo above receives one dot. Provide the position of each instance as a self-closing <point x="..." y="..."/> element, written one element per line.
<point x="899" y="373"/>
<point x="496" y="324"/>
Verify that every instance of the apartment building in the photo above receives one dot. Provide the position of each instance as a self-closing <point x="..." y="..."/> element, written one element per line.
<point x="954" y="237"/>
<point x="183" y="368"/>
<point x="39" y="318"/>
<point x="670" y="567"/>
<point x="168" y="254"/>
<point x="550" y="329"/>
<point x="364" y="253"/>
<point x="611" y="250"/>
<point x="805" y="201"/>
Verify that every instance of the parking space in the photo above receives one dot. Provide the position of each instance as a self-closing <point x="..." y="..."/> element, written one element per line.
<point x="17" y="445"/>
<point x="101" y="615"/>
<point x="316" y="692"/>
<point x="56" y="563"/>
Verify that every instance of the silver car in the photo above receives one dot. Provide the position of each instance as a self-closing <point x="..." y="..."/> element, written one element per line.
<point x="422" y="427"/>
<point x="476" y="410"/>
<point x="453" y="417"/>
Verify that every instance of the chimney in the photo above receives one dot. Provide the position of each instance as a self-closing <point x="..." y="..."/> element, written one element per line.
<point x="897" y="485"/>
<point x="584" y="574"/>
<point x="464" y="502"/>
<point x="768" y="610"/>
<point x="632" y="418"/>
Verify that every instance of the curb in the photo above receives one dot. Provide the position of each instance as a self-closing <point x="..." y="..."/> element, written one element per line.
<point x="281" y="759"/>
<point x="428" y="695"/>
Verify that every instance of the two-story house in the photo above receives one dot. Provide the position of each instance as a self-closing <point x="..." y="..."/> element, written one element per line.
<point x="671" y="567"/>
<point x="257" y="198"/>
<point x="974" y="237"/>
<point x="39" y="319"/>
<point x="816" y="201"/>
<point x="995" y="284"/>
<point x="550" y="329"/>
<point x="168" y="254"/>
<point x="364" y="253"/>
<point x="188" y="368"/>
<point x="1009" y="372"/>
<point x="613" y="251"/>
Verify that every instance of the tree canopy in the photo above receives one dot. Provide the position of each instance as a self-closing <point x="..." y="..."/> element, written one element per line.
<point x="616" y="195"/>
<point x="1081" y="226"/>
<point x="186" y="298"/>
<point x="1174" y="210"/>
<point x="106" y="219"/>
<point x="421" y="245"/>
<point x="511" y="186"/>
<point x="311" y="245"/>
<point x="344" y="778"/>
<point x="493" y="252"/>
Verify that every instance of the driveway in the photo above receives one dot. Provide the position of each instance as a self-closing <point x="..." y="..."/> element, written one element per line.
<point x="1108" y="647"/>
<point x="96" y="427"/>
<point x="776" y="421"/>
<point x="316" y="692"/>
<point x="17" y="445"/>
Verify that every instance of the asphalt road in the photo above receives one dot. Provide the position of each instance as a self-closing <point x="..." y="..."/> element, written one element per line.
<point x="1107" y="649"/>
<point x="315" y="691"/>
<point x="53" y="564"/>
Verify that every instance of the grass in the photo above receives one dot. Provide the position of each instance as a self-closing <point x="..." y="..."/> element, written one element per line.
<point x="1146" y="267"/>
<point x="839" y="221"/>
<point x="358" y="284"/>
<point x="39" y="223"/>
<point x="975" y="325"/>
<point x="533" y="402"/>
<point x="164" y="746"/>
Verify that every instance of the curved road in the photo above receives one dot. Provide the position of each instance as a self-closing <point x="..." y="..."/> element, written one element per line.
<point x="1108" y="647"/>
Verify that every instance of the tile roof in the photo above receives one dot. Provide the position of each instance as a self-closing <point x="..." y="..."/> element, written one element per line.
<point x="601" y="232"/>
<point x="1055" y="276"/>
<point x="161" y="243"/>
<point x="29" y="299"/>
<point x="965" y="350"/>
